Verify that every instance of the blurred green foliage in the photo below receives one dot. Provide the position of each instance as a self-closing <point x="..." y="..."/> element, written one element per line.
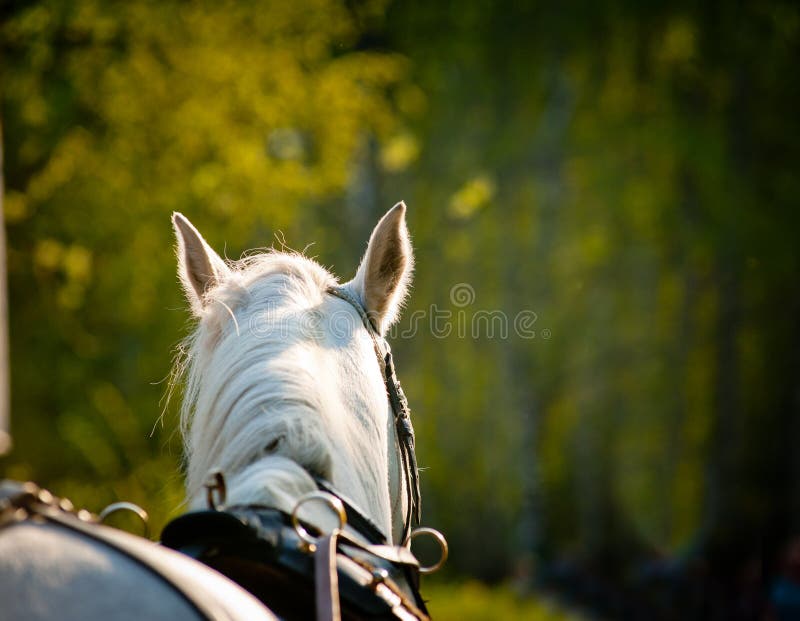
<point x="474" y="601"/>
<point x="625" y="171"/>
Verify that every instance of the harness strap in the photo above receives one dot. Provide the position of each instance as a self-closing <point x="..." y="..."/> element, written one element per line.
<point x="326" y="578"/>
<point x="404" y="430"/>
<point x="405" y="434"/>
<point x="399" y="555"/>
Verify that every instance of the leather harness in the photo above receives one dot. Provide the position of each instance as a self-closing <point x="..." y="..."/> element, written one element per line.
<point x="337" y="576"/>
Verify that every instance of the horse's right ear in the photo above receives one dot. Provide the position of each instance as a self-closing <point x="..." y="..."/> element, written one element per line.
<point x="199" y="267"/>
<point x="384" y="276"/>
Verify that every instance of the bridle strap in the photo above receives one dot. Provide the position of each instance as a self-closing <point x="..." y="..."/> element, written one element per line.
<point x="404" y="430"/>
<point x="405" y="436"/>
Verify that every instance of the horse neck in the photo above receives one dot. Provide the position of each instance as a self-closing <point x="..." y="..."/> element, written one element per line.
<point x="328" y="415"/>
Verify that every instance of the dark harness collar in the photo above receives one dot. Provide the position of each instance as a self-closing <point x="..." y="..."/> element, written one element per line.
<point x="402" y="419"/>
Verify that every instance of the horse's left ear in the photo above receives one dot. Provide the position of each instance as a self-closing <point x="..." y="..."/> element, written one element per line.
<point x="384" y="276"/>
<point x="199" y="267"/>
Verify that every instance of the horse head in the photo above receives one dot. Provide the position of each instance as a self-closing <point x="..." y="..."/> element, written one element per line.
<point x="282" y="382"/>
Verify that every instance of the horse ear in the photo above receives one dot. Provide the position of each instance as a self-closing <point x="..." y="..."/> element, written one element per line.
<point x="199" y="267"/>
<point x="384" y="276"/>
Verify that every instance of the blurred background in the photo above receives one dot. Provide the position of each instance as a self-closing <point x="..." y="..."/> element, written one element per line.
<point x="625" y="175"/>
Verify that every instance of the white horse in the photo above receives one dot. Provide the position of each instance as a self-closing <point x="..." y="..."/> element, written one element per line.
<point x="282" y="380"/>
<point x="282" y="386"/>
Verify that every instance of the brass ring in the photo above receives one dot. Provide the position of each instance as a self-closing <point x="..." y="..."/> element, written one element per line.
<point x="127" y="506"/>
<point x="332" y="501"/>
<point x="439" y="537"/>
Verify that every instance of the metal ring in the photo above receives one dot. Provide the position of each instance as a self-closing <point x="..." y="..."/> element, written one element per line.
<point x="126" y="506"/>
<point x="332" y="501"/>
<point x="216" y="483"/>
<point x="439" y="537"/>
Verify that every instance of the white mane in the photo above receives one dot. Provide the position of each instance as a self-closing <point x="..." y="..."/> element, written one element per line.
<point x="281" y="382"/>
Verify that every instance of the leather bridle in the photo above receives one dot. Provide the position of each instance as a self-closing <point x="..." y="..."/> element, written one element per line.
<point x="402" y="419"/>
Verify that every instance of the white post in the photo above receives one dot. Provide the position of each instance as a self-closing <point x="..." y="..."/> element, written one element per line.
<point x="5" y="429"/>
